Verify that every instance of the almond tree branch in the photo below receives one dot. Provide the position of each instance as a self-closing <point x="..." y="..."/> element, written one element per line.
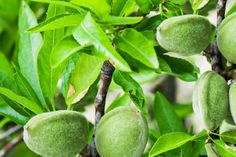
<point x="212" y="51"/>
<point x="9" y="132"/>
<point x="11" y="145"/>
<point x="106" y="77"/>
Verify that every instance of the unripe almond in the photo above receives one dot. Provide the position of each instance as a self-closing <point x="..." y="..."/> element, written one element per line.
<point x="56" y="134"/>
<point x="226" y="38"/>
<point x="210" y="99"/>
<point x="186" y="35"/>
<point x="122" y="132"/>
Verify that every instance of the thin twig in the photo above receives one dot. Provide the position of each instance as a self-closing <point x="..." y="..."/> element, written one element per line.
<point x="10" y="146"/>
<point x="9" y="132"/>
<point x="212" y="52"/>
<point x="106" y="77"/>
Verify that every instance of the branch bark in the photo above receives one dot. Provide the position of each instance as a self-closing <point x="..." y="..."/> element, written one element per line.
<point x="106" y="77"/>
<point x="11" y="145"/>
<point x="212" y="52"/>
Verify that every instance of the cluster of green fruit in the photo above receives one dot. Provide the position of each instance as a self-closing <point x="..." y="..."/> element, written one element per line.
<point x="120" y="133"/>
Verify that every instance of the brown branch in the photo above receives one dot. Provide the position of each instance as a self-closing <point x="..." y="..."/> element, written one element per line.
<point x="213" y="54"/>
<point x="106" y="77"/>
<point x="11" y="145"/>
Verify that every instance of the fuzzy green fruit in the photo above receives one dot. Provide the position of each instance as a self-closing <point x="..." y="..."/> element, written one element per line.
<point x="186" y="35"/>
<point x="210" y="99"/>
<point x="226" y="38"/>
<point x="232" y="100"/>
<point x="122" y="132"/>
<point x="57" y="134"/>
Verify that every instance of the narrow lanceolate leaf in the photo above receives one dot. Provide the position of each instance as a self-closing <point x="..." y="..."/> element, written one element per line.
<point x="86" y="72"/>
<point x="123" y="100"/>
<point x="29" y="46"/>
<point x="10" y="113"/>
<point x="5" y="66"/>
<point x="123" y="7"/>
<point x="59" y="21"/>
<point x="166" y="117"/>
<point x="32" y="106"/>
<point x="129" y="85"/>
<point x="229" y="136"/>
<point x="89" y="32"/>
<point x="144" y="5"/>
<point x="174" y="140"/>
<point x="224" y="150"/>
<point x="63" y="50"/>
<point x="116" y="20"/>
<point x="49" y="76"/>
<point x="138" y="46"/>
<point x="100" y="7"/>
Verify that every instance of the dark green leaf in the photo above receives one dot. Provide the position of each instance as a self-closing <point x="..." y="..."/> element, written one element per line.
<point x="149" y="23"/>
<point x="229" y="136"/>
<point x="89" y="32"/>
<point x="122" y="7"/>
<point x="183" y="110"/>
<point x="5" y="66"/>
<point x="138" y="46"/>
<point x="59" y="21"/>
<point x="123" y="100"/>
<point x="130" y="86"/>
<point x="29" y="46"/>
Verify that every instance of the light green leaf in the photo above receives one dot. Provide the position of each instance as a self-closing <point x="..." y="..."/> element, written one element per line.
<point x="123" y="100"/>
<point x="232" y="10"/>
<point x="63" y="50"/>
<point x="29" y="46"/>
<point x="116" y="20"/>
<point x="144" y="5"/>
<point x="89" y="32"/>
<point x="229" y="136"/>
<point x="49" y="76"/>
<point x="173" y="140"/>
<point x="5" y="66"/>
<point x="10" y="113"/>
<point x="129" y="85"/>
<point x="86" y="72"/>
<point x="99" y="7"/>
<point x="224" y="150"/>
<point x="21" y="100"/>
<point x="59" y="21"/>
<point x="138" y="46"/>
<point x="123" y="7"/>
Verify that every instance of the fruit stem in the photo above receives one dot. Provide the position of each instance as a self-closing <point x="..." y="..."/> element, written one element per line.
<point x="105" y="78"/>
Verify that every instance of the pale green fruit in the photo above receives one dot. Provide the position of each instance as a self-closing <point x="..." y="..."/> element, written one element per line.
<point x="57" y="134"/>
<point x="210" y="99"/>
<point x="226" y="38"/>
<point x="186" y="35"/>
<point x="122" y="132"/>
<point x="211" y="151"/>
<point x="232" y="101"/>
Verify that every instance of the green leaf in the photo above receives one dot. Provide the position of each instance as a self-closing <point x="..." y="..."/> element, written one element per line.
<point x="49" y="76"/>
<point x="224" y="150"/>
<point x="123" y="100"/>
<point x="232" y="10"/>
<point x="166" y="117"/>
<point x="32" y="106"/>
<point x="100" y="7"/>
<point x="229" y="136"/>
<point x="122" y="7"/>
<point x="89" y="32"/>
<point x="129" y="85"/>
<point x="63" y="50"/>
<point x="149" y="23"/>
<point x="144" y="5"/>
<point x="138" y="46"/>
<point x="115" y="20"/>
<point x="173" y="140"/>
<point x="29" y="46"/>
<point x="5" y="66"/>
<point x="59" y="21"/>
<point x="183" y="110"/>
<point x="10" y="113"/>
<point x="178" y="67"/>
<point x="86" y="72"/>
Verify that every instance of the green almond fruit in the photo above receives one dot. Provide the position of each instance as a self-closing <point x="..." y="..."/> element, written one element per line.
<point x="122" y="132"/>
<point x="186" y="35"/>
<point x="210" y="99"/>
<point x="226" y="38"/>
<point x="56" y="134"/>
<point x="232" y="100"/>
